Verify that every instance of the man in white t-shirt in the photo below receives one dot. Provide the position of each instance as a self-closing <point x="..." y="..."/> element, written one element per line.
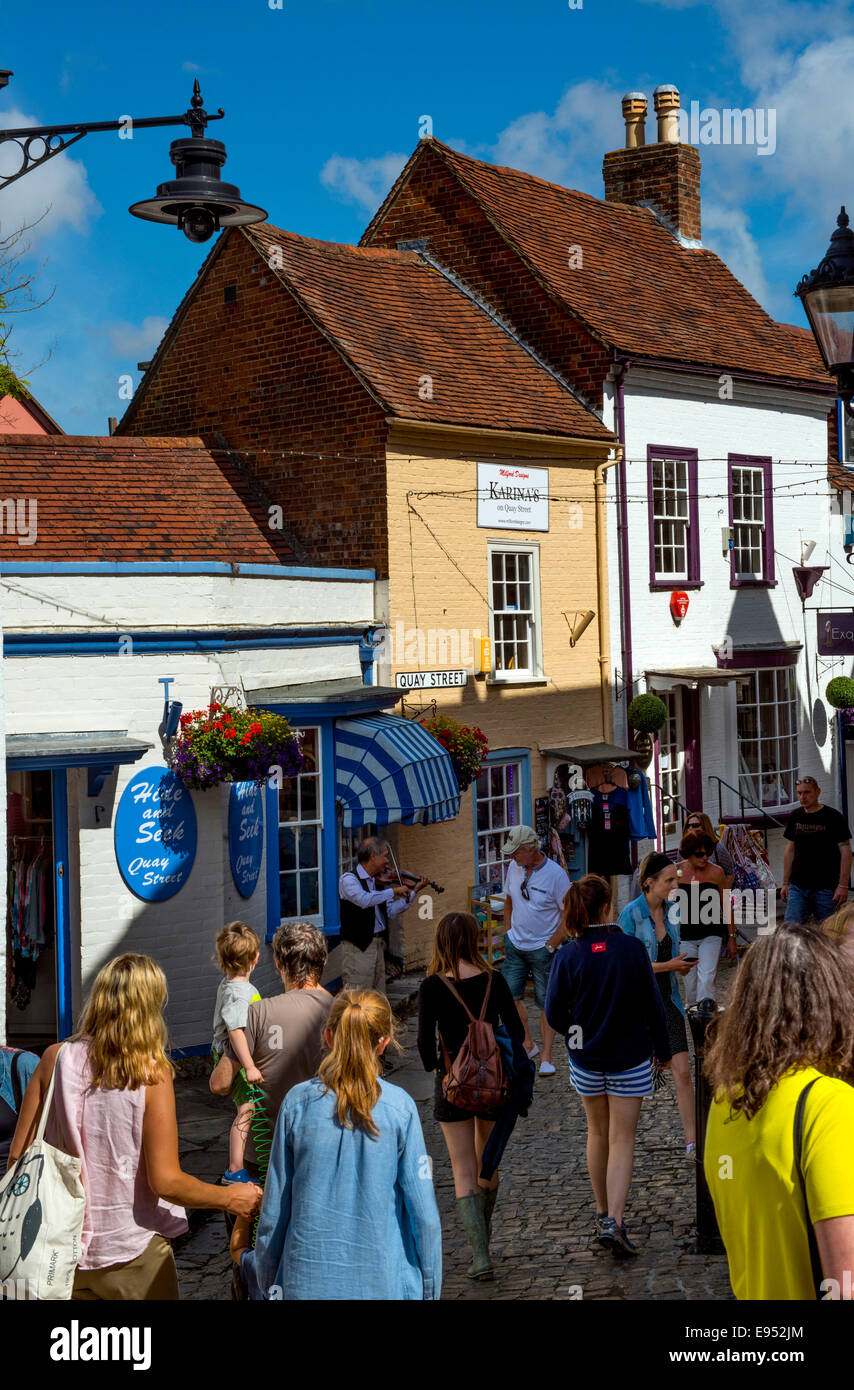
<point x="533" y="925"/>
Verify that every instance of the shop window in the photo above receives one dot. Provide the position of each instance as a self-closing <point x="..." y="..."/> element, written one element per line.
<point x="515" y="611"/>
<point x="767" y="722"/>
<point x="300" y="833"/>
<point x="31" y="983"/>
<point x="498" y="806"/>
<point x="673" y="517"/>
<point x="751" y="519"/>
<point x="349" y="840"/>
<point x="670" y="764"/>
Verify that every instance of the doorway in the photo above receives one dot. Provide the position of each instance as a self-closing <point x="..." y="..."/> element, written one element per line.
<point x="32" y="993"/>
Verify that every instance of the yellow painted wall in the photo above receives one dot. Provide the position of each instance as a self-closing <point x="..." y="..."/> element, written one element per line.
<point x="438" y="579"/>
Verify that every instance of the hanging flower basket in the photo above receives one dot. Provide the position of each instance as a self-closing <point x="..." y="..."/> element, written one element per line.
<point x="840" y="694"/>
<point x="223" y="744"/>
<point x="467" y="746"/>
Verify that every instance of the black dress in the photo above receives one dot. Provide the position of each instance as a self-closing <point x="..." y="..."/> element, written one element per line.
<point x="676" y="1031"/>
<point x="439" y="1012"/>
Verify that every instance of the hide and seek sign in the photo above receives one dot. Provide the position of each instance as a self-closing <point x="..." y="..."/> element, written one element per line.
<point x="156" y="834"/>
<point x="835" y="633"/>
<point x="245" y="836"/>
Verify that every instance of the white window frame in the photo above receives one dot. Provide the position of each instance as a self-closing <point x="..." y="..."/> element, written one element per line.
<point x="753" y="525"/>
<point x="535" y="670"/>
<point x="316" y="918"/>
<point x="768" y="732"/>
<point x="671" y="491"/>
<point x="671" y="778"/>
<point x="500" y="831"/>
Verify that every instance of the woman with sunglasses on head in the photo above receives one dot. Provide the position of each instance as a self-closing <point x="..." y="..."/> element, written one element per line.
<point x="698" y="820"/>
<point x="705" y="919"/>
<point x="654" y="919"/>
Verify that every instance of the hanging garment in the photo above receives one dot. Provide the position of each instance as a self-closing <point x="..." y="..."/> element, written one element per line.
<point x="641" y="822"/>
<point x="605" y="774"/>
<point x="608" y="834"/>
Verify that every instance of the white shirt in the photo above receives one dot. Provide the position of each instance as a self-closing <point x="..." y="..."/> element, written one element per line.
<point x="534" y="920"/>
<point x="351" y="886"/>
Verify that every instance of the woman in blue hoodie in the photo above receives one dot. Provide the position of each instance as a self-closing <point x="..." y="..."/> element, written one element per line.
<point x="603" y="997"/>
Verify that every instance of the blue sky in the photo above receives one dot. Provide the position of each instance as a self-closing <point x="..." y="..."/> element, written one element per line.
<point x="323" y="100"/>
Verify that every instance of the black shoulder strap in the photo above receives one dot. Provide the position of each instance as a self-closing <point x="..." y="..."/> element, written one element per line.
<point x="17" y="1091"/>
<point x="815" y="1259"/>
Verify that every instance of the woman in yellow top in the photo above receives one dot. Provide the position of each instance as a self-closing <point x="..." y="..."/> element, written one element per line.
<point x="790" y="1021"/>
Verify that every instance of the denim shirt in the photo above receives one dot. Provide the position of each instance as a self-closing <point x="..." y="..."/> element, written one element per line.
<point x="346" y="1215"/>
<point x="636" y="920"/>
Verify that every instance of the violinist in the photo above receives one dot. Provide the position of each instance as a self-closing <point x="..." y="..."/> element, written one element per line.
<point x="366" y="908"/>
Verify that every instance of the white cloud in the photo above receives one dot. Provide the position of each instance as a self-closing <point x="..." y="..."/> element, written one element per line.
<point x="567" y="146"/>
<point x="60" y="188"/>
<point x="726" y="231"/>
<point x="137" y="340"/>
<point x="362" y="181"/>
<point x="190" y="67"/>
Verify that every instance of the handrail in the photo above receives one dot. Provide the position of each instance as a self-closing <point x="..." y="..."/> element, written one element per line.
<point x="668" y="796"/>
<point x="742" y="799"/>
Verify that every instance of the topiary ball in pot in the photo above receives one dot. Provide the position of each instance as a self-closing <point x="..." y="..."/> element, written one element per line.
<point x="647" y="713"/>
<point x="840" y="692"/>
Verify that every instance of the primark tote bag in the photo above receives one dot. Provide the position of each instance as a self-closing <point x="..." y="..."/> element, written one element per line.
<point x="41" y="1217"/>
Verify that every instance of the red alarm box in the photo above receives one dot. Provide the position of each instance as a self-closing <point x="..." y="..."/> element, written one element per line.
<point x="678" y="605"/>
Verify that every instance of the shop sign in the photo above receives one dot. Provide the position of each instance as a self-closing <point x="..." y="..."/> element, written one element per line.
<point x="245" y="836"/>
<point x="156" y="834"/>
<point x="835" y="633"/>
<point x="429" y="680"/>
<point x="511" y="498"/>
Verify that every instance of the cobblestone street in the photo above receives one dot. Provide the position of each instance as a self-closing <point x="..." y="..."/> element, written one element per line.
<point x="542" y="1233"/>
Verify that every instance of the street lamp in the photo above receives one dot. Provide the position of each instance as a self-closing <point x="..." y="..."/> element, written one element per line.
<point x="827" y="295"/>
<point x="197" y="202"/>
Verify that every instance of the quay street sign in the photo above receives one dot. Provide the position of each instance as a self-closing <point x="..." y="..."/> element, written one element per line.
<point x="429" y="680"/>
<point x="245" y="836"/>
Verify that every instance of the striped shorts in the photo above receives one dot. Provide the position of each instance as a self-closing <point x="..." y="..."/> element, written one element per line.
<point x="637" y="1081"/>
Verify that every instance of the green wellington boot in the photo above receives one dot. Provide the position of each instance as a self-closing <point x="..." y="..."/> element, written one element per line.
<point x="490" y="1197"/>
<point x="472" y="1216"/>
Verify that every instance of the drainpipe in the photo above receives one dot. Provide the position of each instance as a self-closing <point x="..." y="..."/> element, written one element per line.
<point x="602" y="592"/>
<point x="622" y="366"/>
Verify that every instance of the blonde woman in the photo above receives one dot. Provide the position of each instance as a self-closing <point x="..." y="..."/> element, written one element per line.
<point x="349" y="1210"/>
<point x="114" y="1108"/>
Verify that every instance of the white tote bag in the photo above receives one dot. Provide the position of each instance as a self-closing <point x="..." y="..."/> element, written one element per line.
<point x="42" y="1204"/>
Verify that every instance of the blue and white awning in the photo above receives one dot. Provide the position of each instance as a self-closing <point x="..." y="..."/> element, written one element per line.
<point x="389" y="770"/>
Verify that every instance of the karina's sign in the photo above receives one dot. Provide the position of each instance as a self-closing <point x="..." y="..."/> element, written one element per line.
<point x="156" y="834"/>
<point x="512" y="499"/>
<point x="245" y="836"/>
<point x="429" y="680"/>
<point x="835" y="634"/>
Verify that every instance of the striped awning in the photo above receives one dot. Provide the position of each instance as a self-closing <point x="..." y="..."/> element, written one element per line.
<point x="389" y="770"/>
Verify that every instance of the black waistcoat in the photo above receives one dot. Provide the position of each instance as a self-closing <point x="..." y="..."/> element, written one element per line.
<point x="358" y="923"/>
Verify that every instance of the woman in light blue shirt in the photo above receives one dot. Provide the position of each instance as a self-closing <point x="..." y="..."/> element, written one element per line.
<point x="655" y="922"/>
<point x="349" y="1209"/>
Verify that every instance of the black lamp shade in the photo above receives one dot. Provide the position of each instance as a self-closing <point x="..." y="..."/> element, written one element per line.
<point x="197" y="200"/>
<point x="827" y="295"/>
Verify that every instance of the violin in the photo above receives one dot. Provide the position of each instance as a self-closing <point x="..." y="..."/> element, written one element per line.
<point x="388" y="880"/>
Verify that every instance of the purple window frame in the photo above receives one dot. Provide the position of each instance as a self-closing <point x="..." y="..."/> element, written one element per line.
<point x="689" y="456"/>
<point x="768" y="581"/>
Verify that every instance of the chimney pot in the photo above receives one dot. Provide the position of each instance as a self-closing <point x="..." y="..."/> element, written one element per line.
<point x="666" y="100"/>
<point x="634" y="115"/>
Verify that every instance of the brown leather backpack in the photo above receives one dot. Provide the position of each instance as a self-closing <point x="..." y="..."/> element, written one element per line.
<point x="476" y="1079"/>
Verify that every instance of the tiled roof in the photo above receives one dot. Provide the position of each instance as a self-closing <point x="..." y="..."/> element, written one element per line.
<point x="638" y="289"/>
<point x="398" y="321"/>
<point x="124" y="499"/>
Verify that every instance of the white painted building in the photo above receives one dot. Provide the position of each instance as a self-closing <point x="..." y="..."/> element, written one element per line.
<point x="698" y="465"/>
<point x="89" y="638"/>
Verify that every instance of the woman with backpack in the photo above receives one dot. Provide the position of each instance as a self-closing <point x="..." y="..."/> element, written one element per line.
<point x="460" y="991"/>
<point x="603" y="997"/>
<point x="113" y="1107"/>
<point x="349" y="1210"/>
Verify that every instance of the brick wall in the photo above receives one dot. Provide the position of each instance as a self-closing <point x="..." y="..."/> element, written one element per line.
<point x="259" y="372"/>
<point x="668" y="176"/>
<point x="434" y="205"/>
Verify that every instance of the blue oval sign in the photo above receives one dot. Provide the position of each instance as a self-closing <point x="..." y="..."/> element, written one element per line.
<point x="156" y="834"/>
<point x="245" y="836"/>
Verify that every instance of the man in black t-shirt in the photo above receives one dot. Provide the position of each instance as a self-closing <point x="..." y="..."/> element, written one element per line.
<point x="817" y="863"/>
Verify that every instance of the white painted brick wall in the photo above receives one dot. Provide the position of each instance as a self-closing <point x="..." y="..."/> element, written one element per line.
<point x="791" y="428"/>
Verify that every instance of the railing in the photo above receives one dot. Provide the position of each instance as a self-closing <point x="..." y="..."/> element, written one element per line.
<point x="742" y="799"/>
<point x="671" y="800"/>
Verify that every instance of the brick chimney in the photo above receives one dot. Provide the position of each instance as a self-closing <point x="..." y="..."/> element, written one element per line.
<point x="664" y="176"/>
